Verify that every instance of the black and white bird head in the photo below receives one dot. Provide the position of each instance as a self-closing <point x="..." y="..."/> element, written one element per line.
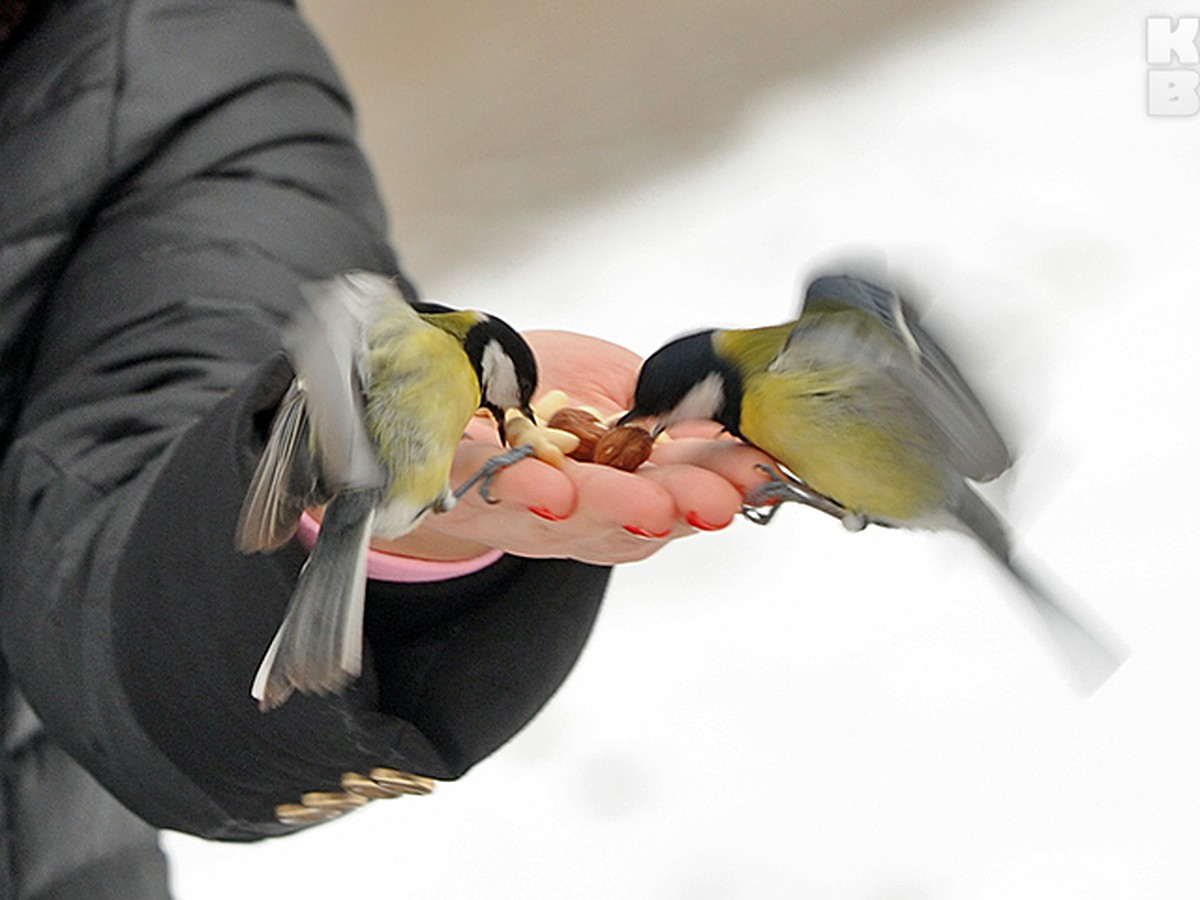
<point x="505" y="366"/>
<point x="687" y="380"/>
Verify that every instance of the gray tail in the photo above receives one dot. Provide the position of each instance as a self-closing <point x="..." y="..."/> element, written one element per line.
<point x="318" y="648"/>
<point x="1088" y="647"/>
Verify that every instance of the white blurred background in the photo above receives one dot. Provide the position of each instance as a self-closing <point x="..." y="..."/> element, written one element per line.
<point x="797" y="711"/>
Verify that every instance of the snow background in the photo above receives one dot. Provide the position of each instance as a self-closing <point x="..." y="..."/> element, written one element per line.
<point x="800" y="712"/>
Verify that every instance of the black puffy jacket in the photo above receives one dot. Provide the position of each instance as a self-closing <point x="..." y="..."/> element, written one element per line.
<point x="169" y="171"/>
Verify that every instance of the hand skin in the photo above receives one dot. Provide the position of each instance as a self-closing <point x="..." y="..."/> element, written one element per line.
<point x="583" y="511"/>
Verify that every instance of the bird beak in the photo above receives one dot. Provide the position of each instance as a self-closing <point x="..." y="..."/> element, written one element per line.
<point x="498" y="415"/>
<point x="636" y="413"/>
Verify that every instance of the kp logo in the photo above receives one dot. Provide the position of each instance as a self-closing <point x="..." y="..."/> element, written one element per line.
<point x="1173" y="90"/>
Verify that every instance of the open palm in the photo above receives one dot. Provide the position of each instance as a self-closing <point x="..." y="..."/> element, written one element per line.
<point x="583" y="511"/>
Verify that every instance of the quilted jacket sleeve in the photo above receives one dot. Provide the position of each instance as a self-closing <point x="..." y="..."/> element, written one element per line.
<point x="134" y="629"/>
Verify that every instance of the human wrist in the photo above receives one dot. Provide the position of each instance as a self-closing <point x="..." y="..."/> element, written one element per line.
<point x="414" y="558"/>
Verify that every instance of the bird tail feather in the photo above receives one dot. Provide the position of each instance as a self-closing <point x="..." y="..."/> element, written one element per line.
<point x="1088" y="647"/>
<point x="318" y="647"/>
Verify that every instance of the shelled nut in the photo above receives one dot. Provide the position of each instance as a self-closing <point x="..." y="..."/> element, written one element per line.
<point x="549" y="444"/>
<point x="585" y="426"/>
<point x="625" y="447"/>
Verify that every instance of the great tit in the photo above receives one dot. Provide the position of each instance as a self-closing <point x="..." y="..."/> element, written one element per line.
<point x="872" y="422"/>
<point x="382" y="394"/>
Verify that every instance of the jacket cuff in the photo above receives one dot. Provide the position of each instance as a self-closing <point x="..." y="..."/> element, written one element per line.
<point x="453" y="668"/>
<point x="383" y="566"/>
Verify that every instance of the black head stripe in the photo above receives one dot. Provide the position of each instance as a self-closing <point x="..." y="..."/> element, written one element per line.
<point x="501" y="337"/>
<point x="680" y="368"/>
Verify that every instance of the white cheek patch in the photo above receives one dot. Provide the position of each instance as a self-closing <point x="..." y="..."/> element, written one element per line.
<point x="500" y="385"/>
<point x="702" y="401"/>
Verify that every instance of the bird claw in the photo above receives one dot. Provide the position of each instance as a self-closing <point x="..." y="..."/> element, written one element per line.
<point x="764" y="501"/>
<point x="760" y="515"/>
<point x="489" y="470"/>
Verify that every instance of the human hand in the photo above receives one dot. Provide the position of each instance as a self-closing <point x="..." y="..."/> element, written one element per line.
<point x="584" y="511"/>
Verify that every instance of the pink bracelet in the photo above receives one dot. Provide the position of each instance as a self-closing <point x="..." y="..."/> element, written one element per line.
<point x="393" y="567"/>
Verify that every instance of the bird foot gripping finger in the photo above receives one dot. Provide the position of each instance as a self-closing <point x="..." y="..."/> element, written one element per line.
<point x="527" y="438"/>
<point x="761" y="514"/>
<point x="764" y="501"/>
<point x="489" y="470"/>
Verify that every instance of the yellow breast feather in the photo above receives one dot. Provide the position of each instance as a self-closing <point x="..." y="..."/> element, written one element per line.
<point x="845" y="442"/>
<point x="421" y="397"/>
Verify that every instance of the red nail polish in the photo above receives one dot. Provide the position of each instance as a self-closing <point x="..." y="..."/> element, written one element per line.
<point x="642" y="532"/>
<point x="546" y="514"/>
<point x="693" y="519"/>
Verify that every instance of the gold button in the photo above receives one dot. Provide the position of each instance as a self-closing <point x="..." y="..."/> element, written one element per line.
<point x="402" y="782"/>
<point x="368" y="787"/>
<point x="358" y="790"/>
<point x="337" y="800"/>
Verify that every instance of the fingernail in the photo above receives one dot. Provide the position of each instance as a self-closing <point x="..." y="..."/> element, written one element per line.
<point x="546" y="514"/>
<point x="694" y="519"/>
<point x="644" y="533"/>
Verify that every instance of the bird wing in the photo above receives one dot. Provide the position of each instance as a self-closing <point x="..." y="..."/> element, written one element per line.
<point x="285" y="483"/>
<point x="318" y="444"/>
<point x="328" y="347"/>
<point x="891" y="343"/>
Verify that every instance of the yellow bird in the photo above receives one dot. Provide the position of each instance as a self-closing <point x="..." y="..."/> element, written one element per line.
<point x="370" y="426"/>
<point x="872" y="422"/>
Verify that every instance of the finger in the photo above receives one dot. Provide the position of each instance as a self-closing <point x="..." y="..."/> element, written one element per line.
<point x="612" y="499"/>
<point x="734" y="461"/>
<point x="705" y="500"/>
<point x="528" y="484"/>
<point x="594" y="533"/>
